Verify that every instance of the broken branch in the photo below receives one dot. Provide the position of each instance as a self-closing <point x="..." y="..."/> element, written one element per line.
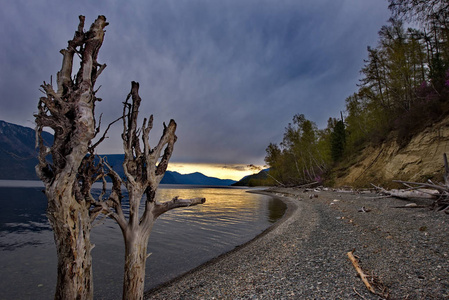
<point x="175" y="203"/>
<point x="360" y="272"/>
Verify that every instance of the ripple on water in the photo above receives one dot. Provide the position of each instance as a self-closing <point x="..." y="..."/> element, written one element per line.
<point x="181" y="239"/>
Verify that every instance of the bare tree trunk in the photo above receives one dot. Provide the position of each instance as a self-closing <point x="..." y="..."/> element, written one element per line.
<point x="144" y="169"/>
<point x="136" y="243"/>
<point x="69" y="111"/>
<point x="135" y="258"/>
<point x="71" y="229"/>
<point x="69" y="173"/>
<point x="134" y="279"/>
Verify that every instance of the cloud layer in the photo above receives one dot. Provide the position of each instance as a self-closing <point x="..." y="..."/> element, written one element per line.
<point x="231" y="73"/>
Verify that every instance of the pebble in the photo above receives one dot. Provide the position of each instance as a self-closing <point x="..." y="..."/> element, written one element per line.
<point x="316" y="267"/>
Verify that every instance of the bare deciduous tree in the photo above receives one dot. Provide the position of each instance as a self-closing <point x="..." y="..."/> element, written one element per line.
<point x="68" y="170"/>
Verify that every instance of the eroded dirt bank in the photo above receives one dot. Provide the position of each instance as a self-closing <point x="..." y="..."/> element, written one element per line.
<point x="419" y="160"/>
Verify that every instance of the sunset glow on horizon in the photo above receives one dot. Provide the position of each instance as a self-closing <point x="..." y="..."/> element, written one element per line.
<point x="222" y="171"/>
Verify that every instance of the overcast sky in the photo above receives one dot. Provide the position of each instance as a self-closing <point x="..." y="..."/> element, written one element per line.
<point x="231" y="73"/>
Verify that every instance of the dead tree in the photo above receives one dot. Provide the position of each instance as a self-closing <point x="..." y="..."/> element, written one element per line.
<point x="68" y="170"/>
<point x="144" y="169"/>
<point x="69" y="111"/>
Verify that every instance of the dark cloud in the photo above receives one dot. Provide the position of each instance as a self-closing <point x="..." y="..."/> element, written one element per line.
<point x="235" y="167"/>
<point x="231" y="73"/>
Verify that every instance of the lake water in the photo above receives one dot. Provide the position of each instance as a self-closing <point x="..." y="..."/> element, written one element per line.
<point x="181" y="240"/>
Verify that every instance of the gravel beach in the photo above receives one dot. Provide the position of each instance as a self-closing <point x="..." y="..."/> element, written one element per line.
<point x="304" y="255"/>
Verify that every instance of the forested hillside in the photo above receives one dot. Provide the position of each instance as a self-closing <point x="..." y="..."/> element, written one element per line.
<point x="404" y="90"/>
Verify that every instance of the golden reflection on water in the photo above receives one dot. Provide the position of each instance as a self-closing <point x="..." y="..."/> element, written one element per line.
<point x="223" y="200"/>
<point x="190" y="236"/>
<point x="181" y="239"/>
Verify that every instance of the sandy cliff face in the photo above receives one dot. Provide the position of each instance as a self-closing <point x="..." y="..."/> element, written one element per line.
<point x="419" y="160"/>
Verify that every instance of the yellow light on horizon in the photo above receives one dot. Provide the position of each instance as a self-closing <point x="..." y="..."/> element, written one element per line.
<point x="222" y="171"/>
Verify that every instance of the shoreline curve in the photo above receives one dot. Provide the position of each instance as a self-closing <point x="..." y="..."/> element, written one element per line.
<point x="304" y="254"/>
<point x="291" y="207"/>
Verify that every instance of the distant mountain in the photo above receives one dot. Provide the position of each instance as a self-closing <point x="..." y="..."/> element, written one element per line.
<point x="194" y="178"/>
<point x="170" y="177"/>
<point x="253" y="180"/>
<point x="18" y="157"/>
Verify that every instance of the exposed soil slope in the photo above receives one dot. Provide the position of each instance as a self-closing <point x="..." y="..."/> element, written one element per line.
<point x="419" y="160"/>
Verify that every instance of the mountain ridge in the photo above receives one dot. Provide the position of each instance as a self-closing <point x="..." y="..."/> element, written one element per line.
<point x="257" y="179"/>
<point x="18" y="158"/>
<point x="18" y="155"/>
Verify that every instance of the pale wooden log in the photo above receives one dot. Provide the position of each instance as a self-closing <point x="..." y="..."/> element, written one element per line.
<point x="421" y="185"/>
<point x="409" y="194"/>
<point x="412" y="206"/>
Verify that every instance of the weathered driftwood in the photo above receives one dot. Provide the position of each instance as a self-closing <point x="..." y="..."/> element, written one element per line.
<point x="412" y="206"/>
<point x="307" y="184"/>
<point x="69" y="111"/>
<point x="144" y="169"/>
<point x="411" y="193"/>
<point x="68" y="169"/>
<point x="439" y="192"/>
<point x="360" y="272"/>
<point x="372" y="283"/>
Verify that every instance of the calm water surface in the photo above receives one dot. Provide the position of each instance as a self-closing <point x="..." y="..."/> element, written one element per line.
<point x="181" y="239"/>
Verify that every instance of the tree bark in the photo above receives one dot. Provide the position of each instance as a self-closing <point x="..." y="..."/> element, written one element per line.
<point x="70" y="172"/>
<point x="144" y="169"/>
<point x="69" y="111"/>
<point x="135" y="259"/>
<point x="136" y="241"/>
<point x="72" y="237"/>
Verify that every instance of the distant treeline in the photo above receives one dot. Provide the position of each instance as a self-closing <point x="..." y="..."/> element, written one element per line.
<point x="405" y="87"/>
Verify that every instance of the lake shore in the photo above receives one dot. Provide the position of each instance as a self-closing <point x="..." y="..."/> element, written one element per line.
<point x="304" y="255"/>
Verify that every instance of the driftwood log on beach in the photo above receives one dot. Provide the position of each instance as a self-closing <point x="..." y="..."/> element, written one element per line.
<point x="438" y="192"/>
<point x="362" y="275"/>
